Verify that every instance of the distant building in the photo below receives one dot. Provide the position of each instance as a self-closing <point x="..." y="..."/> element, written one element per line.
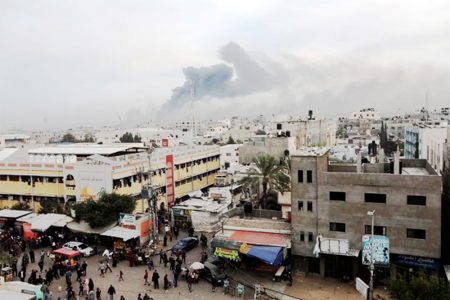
<point x="78" y="172"/>
<point x="13" y="140"/>
<point x="229" y="155"/>
<point x="366" y="113"/>
<point x="426" y="140"/>
<point x="330" y="204"/>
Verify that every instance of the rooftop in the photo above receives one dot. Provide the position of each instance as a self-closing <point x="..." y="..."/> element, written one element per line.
<point x="310" y="151"/>
<point x="87" y="149"/>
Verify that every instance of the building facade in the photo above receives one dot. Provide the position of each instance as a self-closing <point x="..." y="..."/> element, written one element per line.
<point x="79" y="172"/>
<point x="331" y="202"/>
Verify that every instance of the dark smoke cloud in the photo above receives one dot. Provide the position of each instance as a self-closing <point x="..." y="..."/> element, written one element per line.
<point x="241" y="76"/>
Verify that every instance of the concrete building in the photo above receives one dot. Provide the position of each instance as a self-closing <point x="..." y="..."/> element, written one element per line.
<point x="426" y="140"/>
<point x="332" y="201"/>
<point x="13" y="140"/>
<point x="81" y="171"/>
<point x="229" y="155"/>
<point x="366" y="113"/>
<point x="275" y="146"/>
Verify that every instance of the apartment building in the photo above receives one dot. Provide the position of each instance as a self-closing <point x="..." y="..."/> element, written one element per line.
<point x="81" y="171"/>
<point x="330" y="204"/>
<point x="229" y="155"/>
<point x="426" y="139"/>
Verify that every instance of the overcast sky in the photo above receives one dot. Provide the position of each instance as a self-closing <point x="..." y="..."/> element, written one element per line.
<point x="69" y="63"/>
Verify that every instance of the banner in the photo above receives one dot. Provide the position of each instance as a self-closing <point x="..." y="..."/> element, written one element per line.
<point x="170" y="185"/>
<point x="380" y="249"/>
<point x="227" y="253"/>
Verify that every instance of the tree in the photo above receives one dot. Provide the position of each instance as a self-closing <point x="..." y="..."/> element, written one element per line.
<point x="51" y="206"/>
<point x="230" y="140"/>
<point x="127" y="137"/>
<point x="89" y="139"/>
<point x="419" y="287"/>
<point x="105" y="210"/>
<point x="260" y="132"/>
<point x="270" y="173"/>
<point x="137" y="139"/>
<point x="68" y="138"/>
<point x="21" y="206"/>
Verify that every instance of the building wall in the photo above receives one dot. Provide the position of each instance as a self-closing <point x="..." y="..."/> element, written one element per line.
<point x="396" y="215"/>
<point x="229" y="155"/>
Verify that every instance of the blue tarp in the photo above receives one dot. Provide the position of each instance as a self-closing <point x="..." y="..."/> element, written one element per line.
<point x="270" y="255"/>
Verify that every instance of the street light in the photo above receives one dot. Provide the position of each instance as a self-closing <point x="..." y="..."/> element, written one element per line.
<point x="372" y="266"/>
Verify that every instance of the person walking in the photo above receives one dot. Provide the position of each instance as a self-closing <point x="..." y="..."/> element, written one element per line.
<point x="41" y="265"/>
<point x="108" y="267"/>
<point x="150" y="263"/>
<point x="121" y="276"/>
<point x="190" y="280"/>
<point x="147" y="297"/>
<point x="81" y="289"/>
<point x="139" y="297"/>
<point x="98" y="293"/>
<point x="166" y="282"/>
<point x="172" y="263"/>
<point x="146" y="277"/>
<point x="183" y="256"/>
<point x="161" y="256"/>
<point x="91" y="284"/>
<point x="84" y="267"/>
<point x="165" y="259"/>
<point x="122" y="297"/>
<point x="31" y="255"/>
<point x="155" y="279"/>
<point x="111" y="292"/>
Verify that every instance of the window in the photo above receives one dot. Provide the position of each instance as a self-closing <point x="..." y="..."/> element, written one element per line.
<point x="377" y="230"/>
<point x="337" y="196"/>
<point x="300" y="175"/>
<point x="416" y="200"/>
<point x="309" y="206"/>
<point x="309" y="176"/>
<point x="337" y="226"/>
<point x="310" y="236"/>
<point x="375" y="198"/>
<point x="416" y="233"/>
<point x="300" y="205"/>
<point x="302" y="236"/>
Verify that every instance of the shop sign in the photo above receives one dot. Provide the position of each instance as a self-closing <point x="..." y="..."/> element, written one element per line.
<point x="380" y="249"/>
<point x="170" y="180"/>
<point x="416" y="261"/>
<point x="226" y="253"/>
<point x="127" y="221"/>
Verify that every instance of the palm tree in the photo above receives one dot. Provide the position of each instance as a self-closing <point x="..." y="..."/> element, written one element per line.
<point x="270" y="173"/>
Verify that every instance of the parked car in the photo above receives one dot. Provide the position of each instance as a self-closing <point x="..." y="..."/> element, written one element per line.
<point x="185" y="244"/>
<point x="211" y="272"/>
<point x="84" y="249"/>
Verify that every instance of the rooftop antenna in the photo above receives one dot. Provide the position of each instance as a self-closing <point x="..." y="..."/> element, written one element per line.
<point x="192" y="93"/>
<point x="426" y="105"/>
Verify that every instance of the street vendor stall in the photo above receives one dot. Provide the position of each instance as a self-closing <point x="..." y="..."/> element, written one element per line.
<point x="69" y="253"/>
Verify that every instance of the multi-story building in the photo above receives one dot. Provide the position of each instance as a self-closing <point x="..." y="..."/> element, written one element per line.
<point x="229" y="155"/>
<point x="81" y="171"/>
<point x="426" y="140"/>
<point x="331" y="202"/>
<point x="13" y="140"/>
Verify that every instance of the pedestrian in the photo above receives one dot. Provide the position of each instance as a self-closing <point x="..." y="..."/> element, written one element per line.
<point x="183" y="256"/>
<point x="91" y="284"/>
<point x="172" y="263"/>
<point x="41" y="265"/>
<point x="166" y="282"/>
<point x="190" y="280"/>
<point x="22" y="275"/>
<point x="161" y="255"/>
<point x="165" y="259"/>
<point x="122" y="297"/>
<point x="121" y="276"/>
<point x="91" y="295"/>
<point x="102" y="269"/>
<point x="32" y="256"/>
<point x="108" y="267"/>
<point x="146" y="277"/>
<point x="79" y="273"/>
<point x="150" y="264"/>
<point x="98" y="293"/>
<point x="155" y="279"/>
<point x="111" y="292"/>
<point x="81" y="289"/>
<point x="165" y="240"/>
<point x="147" y="297"/>
<point x="84" y="267"/>
<point x="139" y="297"/>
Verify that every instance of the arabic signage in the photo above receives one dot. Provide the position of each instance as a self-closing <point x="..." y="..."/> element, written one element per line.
<point x="227" y="253"/>
<point x="170" y="185"/>
<point x="380" y="249"/>
<point x="416" y="261"/>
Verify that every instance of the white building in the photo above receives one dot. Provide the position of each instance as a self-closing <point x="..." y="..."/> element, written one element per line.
<point x="427" y="140"/>
<point x="229" y="155"/>
<point x="365" y="113"/>
<point x="13" y="140"/>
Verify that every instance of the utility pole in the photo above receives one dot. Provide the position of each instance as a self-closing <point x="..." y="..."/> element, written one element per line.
<point x="372" y="264"/>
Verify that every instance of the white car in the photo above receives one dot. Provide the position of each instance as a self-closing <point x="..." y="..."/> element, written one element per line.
<point x="84" y="249"/>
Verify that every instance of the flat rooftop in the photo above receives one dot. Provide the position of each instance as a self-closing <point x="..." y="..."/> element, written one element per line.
<point x="310" y="151"/>
<point x="88" y="149"/>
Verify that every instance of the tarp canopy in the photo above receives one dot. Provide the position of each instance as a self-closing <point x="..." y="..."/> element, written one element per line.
<point x="273" y="256"/>
<point x="122" y="233"/>
<point x="13" y="213"/>
<point x="66" y="252"/>
<point x="45" y="221"/>
<point x="84" y="227"/>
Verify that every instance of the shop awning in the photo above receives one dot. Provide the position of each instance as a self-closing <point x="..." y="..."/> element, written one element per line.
<point x="66" y="252"/>
<point x="45" y="221"/>
<point x="122" y="233"/>
<point x="256" y="238"/>
<point x="84" y="227"/>
<point x="273" y="256"/>
<point x="13" y="213"/>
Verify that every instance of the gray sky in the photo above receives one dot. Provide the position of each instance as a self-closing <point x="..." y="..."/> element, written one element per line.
<point x="68" y="63"/>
